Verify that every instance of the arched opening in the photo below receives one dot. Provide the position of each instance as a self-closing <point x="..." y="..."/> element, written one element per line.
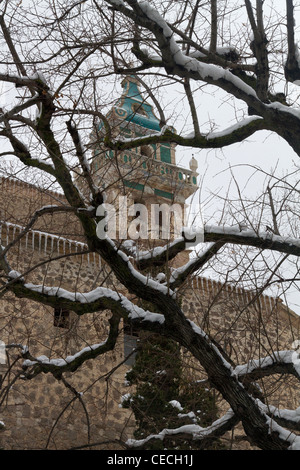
<point x="147" y="151"/>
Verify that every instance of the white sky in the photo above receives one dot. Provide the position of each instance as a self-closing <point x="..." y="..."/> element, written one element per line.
<point x="263" y="150"/>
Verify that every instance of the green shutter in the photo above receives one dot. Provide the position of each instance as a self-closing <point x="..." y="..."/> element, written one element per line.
<point x="165" y="153"/>
<point x="165" y="194"/>
<point x="133" y="185"/>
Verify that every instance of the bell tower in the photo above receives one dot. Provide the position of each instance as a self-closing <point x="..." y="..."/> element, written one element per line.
<point x="147" y="175"/>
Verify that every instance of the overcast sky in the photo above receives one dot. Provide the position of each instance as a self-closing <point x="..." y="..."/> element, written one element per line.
<point x="248" y="163"/>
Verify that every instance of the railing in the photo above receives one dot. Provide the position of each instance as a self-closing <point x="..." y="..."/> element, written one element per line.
<point x="45" y="242"/>
<point x="152" y="167"/>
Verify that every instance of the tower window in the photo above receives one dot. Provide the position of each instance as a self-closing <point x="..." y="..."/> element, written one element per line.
<point x="147" y="151"/>
<point x="61" y="317"/>
<point x="130" y="343"/>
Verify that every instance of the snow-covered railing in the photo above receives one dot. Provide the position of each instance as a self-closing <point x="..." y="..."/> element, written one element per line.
<point x="246" y="296"/>
<point x="152" y="167"/>
<point x="45" y="242"/>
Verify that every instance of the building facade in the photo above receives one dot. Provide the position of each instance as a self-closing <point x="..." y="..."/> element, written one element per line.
<point x="84" y="408"/>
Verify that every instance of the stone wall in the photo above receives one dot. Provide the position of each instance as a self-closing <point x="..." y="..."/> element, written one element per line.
<point x="247" y="327"/>
<point x="46" y="413"/>
<point x="33" y="407"/>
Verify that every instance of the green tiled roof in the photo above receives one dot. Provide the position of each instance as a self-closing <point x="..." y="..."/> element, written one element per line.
<point x="133" y="108"/>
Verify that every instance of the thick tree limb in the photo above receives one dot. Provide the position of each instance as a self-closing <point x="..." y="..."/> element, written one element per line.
<point x="287" y="418"/>
<point x="190" y="433"/>
<point x="292" y="67"/>
<point x="232" y="135"/>
<point x="98" y="299"/>
<point x="181" y="274"/>
<point x="178" y="64"/>
<point x="219" y="236"/>
<point x="261" y="240"/>
<point x="280" y="362"/>
<point x="33" y="366"/>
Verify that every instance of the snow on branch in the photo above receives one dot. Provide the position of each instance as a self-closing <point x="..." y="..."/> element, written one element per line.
<point x="284" y="362"/>
<point x="59" y="365"/>
<point x="174" y="57"/>
<point x="286" y="418"/>
<point x="190" y="431"/>
<point x="160" y="254"/>
<point x="98" y="299"/>
<point x="33" y="366"/>
<point x="240" y="125"/>
<point x="219" y="427"/>
<point x="284" y="434"/>
<point x="179" y="275"/>
<point x="139" y="278"/>
<point x="17" y="80"/>
<point x="218" y="236"/>
<point x="231" y="135"/>
<point x="177" y="62"/>
<point x="243" y="236"/>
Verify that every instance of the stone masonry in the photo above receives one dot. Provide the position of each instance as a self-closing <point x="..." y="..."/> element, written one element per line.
<point x="84" y="408"/>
